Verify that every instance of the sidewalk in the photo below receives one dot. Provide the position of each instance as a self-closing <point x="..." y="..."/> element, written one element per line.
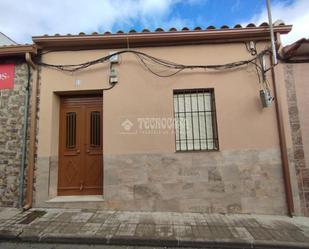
<point x="156" y="229"/>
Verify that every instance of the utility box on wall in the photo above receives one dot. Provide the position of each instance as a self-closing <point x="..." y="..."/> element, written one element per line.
<point x="6" y="76"/>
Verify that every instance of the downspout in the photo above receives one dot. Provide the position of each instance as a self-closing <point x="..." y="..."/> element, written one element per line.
<point x="30" y="172"/>
<point x="24" y="141"/>
<point x="280" y="121"/>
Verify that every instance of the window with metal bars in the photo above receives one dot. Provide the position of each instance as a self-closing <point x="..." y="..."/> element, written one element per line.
<point x="195" y="120"/>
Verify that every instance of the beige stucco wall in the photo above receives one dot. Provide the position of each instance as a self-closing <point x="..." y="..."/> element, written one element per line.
<point x="243" y="125"/>
<point x="141" y="94"/>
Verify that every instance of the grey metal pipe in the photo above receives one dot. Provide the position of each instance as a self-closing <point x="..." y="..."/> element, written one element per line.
<point x="272" y="36"/>
<point x="280" y="122"/>
<point x="24" y="142"/>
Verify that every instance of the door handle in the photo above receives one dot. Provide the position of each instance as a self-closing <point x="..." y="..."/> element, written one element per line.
<point x="78" y="151"/>
<point x="88" y="151"/>
<point x="81" y="185"/>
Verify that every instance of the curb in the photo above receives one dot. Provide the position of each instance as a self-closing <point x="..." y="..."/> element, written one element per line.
<point x="139" y="241"/>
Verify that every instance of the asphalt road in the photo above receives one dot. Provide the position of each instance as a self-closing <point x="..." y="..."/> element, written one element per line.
<point x="21" y="245"/>
<point x="26" y="245"/>
<point x="13" y="245"/>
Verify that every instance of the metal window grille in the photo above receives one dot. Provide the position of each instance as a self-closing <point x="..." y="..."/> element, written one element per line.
<point x="95" y="129"/>
<point x="195" y="120"/>
<point x="70" y="130"/>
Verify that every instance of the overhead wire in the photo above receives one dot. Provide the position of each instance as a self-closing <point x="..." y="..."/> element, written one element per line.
<point x="145" y="58"/>
<point x="143" y="63"/>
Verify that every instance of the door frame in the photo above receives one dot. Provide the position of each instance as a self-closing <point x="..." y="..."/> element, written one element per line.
<point x="71" y="98"/>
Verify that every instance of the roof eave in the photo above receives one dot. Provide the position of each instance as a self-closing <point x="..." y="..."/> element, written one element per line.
<point x="292" y="49"/>
<point x="157" y="38"/>
<point x="17" y="50"/>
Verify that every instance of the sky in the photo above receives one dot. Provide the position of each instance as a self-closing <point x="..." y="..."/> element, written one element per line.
<point x="21" y="19"/>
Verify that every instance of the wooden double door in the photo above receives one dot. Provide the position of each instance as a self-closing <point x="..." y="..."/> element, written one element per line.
<point x="80" y="146"/>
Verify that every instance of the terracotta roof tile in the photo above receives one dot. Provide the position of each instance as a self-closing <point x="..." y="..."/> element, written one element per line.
<point x="298" y="50"/>
<point x="224" y="27"/>
<point x="251" y="25"/>
<point x="159" y="29"/>
<point x="264" y="24"/>
<point x="158" y="36"/>
<point x="197" y="28"/>
<point x="279" y="23"/>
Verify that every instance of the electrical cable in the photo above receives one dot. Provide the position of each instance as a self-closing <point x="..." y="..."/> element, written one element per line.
<point x="143" y="57"/>
<point x="142" y="62"/>
<point x="145" y="60"/>
<point x="109" y="88"/>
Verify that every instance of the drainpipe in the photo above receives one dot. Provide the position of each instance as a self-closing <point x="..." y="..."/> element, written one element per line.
<point x="24" y="142"/>
<point x="29" y="189"/>
<point x="280" y="121"/>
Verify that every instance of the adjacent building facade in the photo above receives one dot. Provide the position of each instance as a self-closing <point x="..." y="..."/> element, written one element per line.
<point x="15" y="83"/>
<point x="5" y="40"/>
<point x="296" y="71"/>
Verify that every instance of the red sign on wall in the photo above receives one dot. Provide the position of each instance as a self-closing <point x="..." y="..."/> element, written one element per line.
<point x="6" y="76"/>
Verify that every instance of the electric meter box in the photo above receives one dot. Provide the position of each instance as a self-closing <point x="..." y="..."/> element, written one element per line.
<point x="266" y="98"/>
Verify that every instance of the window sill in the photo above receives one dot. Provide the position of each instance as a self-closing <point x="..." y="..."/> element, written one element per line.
<point x="196" y="151"/>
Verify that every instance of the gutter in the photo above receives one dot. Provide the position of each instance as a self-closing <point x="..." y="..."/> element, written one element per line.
<point x="159" y="38"/>
<point x="17" y="50"/>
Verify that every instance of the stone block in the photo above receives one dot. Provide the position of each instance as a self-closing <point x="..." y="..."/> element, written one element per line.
<point x="145" y="191"/>
<point x="235" y="181"/>
<point x="119" y="192"/>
